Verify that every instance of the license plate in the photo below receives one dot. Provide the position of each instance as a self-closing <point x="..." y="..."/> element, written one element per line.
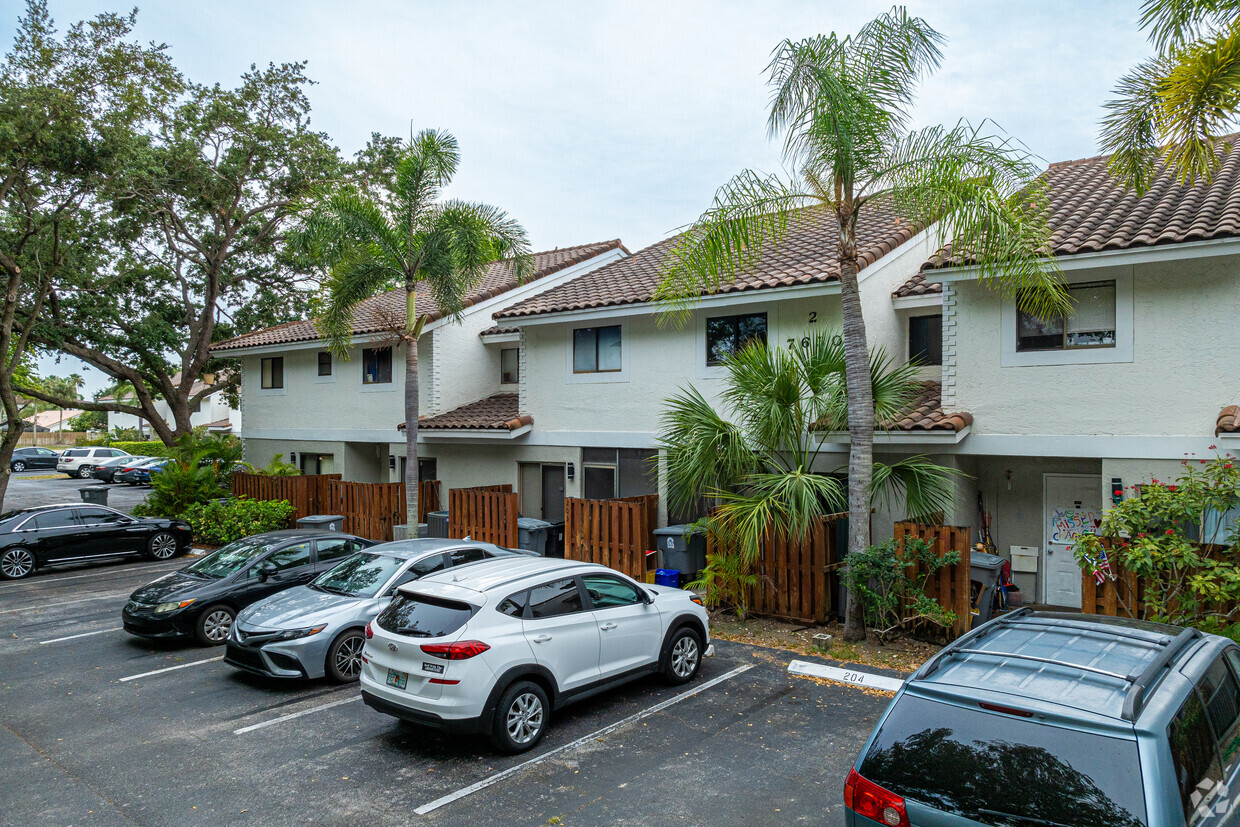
<point x="397" y="679"/>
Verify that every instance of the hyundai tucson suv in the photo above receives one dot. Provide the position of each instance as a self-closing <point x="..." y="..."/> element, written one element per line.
<point x="1039" y="718"/>
<point x="496" y="647"/>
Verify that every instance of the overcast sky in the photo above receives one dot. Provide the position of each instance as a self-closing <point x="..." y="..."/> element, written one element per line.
<point x="589" y="121"/>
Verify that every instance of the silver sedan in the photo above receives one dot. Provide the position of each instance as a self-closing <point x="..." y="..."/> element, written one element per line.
<point x="319" y="629"/>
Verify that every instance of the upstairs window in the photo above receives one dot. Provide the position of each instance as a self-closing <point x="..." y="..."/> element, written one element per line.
<point x="325" y="363"/>
<point x="1092" y="325"/>
<point x="509" y="366"/>
<point x="925" y="339"/>
<point x="376" y="365"/>
<point x="273" y="372"/>
<point x="728" y="335"/>
<point x="596" y="350"/>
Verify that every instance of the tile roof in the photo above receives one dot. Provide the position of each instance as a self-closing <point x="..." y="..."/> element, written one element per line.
<point x="386" y="311"/>
<point x="808" y="255"/>
<point x="1228" y="421"/>
<point x="917" y="286"/>
<point x="494" y="413"/>
<point x="497" y="331"/>
<point x="1092" y="213"/>
<point x="925" y="413"/>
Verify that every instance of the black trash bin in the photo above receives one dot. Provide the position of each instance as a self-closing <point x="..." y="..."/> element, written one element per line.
<point x="533" y="535"/>
<point x="328" y="522"/>
<point x="94" y="496"/>
<point x="437" y="524"/>
<point x="686" y="555"/>
<point x="984" y="569"/>
<point x="555" y="540"/>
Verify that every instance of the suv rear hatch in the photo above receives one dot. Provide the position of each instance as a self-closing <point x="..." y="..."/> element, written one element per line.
<point x="421" y="622"/>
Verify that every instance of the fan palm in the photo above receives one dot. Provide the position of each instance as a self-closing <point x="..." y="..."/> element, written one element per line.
<point x="841" y="105"/>
<point x="1174" y="106"/>
<point x="402" y="239"/>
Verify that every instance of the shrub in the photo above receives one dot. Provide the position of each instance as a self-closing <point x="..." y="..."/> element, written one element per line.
<point x="219" y="522"/>
<point x="726" y="581"/>
<point x="154" y="448"/>
<point x="895" y="600"/>
<point x="177" y="486"/>
<point x="279" y="468"/>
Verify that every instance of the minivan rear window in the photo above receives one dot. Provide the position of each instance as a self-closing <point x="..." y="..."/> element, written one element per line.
<point x="423" y="616"/>
<point x="1004" y="770"/>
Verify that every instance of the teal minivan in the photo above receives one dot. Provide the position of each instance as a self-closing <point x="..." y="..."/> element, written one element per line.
<point x="1041" y="718"/>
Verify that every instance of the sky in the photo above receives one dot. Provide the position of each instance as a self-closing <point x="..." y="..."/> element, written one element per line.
<point x="589" y="121"/>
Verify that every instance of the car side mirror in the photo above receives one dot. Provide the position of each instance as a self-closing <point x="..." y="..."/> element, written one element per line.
<point x="266" y="570"/>
<point x="647" y="597"/>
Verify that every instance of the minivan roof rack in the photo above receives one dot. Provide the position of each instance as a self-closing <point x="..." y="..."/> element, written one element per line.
<point x="1138" y="682"/>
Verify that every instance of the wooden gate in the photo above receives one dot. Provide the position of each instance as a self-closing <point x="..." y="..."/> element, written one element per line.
<point x="793" y="578"/>
<point x="487" y="514"/>
<point x="614" y="533"/>
<point x="308" y="494"/>
<point x="951" y="587"/>
<point x="370" y="509"/>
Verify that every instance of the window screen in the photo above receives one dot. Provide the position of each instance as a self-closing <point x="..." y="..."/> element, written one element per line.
<point x="273" y="372"/>
<point x="376" y="365"/>
<point x="925" y="339"/>
<point x="596" y="349"/>
<point x="600" y="482"/>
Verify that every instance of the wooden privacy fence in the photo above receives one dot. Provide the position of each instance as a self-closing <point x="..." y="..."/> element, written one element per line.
<point x="950" y="587"/>
<point x="370" y="509"/>
<point x="614" y="533"/>
<point x="487" y="514"/>
<point x="309" y="494"/>
<point x="1125" y="595"/>
<point x="794" y="581"/>
<point x="428" y="498"/>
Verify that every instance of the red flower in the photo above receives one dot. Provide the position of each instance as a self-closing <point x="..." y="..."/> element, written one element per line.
<point x="1140" y="536"/>
<point x="1202" y="461"/>
<point x="1118" y="493"/>
<point x="1213" y="447"/>
<point x="1170" y="487"/>
<point x="1170" y="531"/>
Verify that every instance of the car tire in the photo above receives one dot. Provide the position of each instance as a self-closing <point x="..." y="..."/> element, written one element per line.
<point x="16" y="563"/>
<point x="213" y="624"/>
<point x="521" y="718"/>
<point x="162" y="546"/>
<point x="344" y="656"/>
<point x="84" y="472"/>
<point x="18" y="467"/>
<point x="683" y="657"/>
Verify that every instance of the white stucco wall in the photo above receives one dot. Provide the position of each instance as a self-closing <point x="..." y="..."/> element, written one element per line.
<point x="214" y="408"/>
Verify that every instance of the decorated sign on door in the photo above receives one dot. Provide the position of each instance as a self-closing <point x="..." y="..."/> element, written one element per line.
<point x="1068" y="523"/>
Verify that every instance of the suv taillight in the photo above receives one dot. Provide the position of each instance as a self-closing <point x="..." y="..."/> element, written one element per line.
<point x="865" y="798"/>
<point x="461" y="650"/>
<point x="369" y="632"/>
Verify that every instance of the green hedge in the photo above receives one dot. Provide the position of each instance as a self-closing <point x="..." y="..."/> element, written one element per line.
<point x="217" y="523"/>
<point x="154" y="448"/>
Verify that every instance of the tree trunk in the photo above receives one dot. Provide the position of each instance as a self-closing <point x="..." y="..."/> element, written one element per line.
<point x="412" y="483"/>
<point x="860" y="412"/>
<point x="11" y="438"/>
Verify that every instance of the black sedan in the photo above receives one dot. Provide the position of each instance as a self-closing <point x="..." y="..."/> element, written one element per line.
<point x="57" y="534"/>
<point x="29" y="459"/>
<point x="107" y="469"/>
<point x="127" y="471"/>
<point x="202" y="599"/>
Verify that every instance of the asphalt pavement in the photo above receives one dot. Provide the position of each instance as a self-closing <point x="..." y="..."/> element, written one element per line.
<point x="31" y="488"/>
<point x="100" y="728"/>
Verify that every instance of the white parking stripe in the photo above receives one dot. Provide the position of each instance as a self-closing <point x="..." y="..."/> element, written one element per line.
<point x="75" y="637"/>
<point x="854" y="676"/>
<point x="645" y="713"/>
<point x="171" y="668"/>
<point x="38" y="607"/>
<point x="293" y="715"/>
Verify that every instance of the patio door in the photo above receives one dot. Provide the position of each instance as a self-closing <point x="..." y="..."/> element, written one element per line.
<point x="553" y="493"/>
<point x="1072" y="505"/>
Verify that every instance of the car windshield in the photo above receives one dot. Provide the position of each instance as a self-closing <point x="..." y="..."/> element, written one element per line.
<point x="231" y="557"/>
<point x="361" y="575"/>
<point x="978" y="765"/>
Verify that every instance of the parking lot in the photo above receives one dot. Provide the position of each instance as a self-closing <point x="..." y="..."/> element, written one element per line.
<point x="31" y="488"/>
<point x="99" y="727"/>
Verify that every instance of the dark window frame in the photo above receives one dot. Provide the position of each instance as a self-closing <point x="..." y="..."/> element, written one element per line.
<point x="275" y="380"/>
<point x="325" y="363"/>
<point x="732" y="322"/>
<point x="596" y="331"/>
<point x="515" y="373"/>
<point x="374" y="353"/>
<point x="924" y="352"/>
<point x="1063" y="334"/>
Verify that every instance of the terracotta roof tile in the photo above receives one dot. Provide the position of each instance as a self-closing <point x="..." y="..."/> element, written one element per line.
<point x="497" y="331"/>
<point x="385" y="311"/>
<point x="1228" y="421"/>
<point x="494" y="413"/>
<point x="1091" y="212"/>
<point x="917" y="286"/>
<point x="806" y="256"/>
<point x="925" y="413"/>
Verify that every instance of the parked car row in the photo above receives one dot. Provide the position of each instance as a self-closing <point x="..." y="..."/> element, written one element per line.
<point x="450" y="634"/>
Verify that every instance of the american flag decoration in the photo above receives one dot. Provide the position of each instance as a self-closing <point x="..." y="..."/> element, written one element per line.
<point x="1103" y="567"/>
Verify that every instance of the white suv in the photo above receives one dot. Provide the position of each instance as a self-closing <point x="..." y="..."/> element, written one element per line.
<point x="79" y="462"/>
<point x="494" y="647"/>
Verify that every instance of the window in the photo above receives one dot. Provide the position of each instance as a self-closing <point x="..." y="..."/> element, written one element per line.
<point x="376" y="365"/>
<point x="273" y="372"/>
<point x="510" y="366"/>
<point x="424" y="616"/>
<point x="334" y="549"/>
<point x="63" y="518"/>
<point x="1222" y="698"/>
<point x="1091" y="325"/>
<point x="1197" y="769"/>
<point x="555" y="599"/>
<point x="600" y="482"/>
<point x="606" y="591"/>
<point x="290" y="557"/>
<point x="325" y="363"/>
<point x="728" y="335"/>
<point x="99" y="516"/>
<point x="514" y="606"/>
<point x="618" y="472"/>
<point x="461" y="556"/>
<point x="925" y="339"/>
<point x="596" y="350"/>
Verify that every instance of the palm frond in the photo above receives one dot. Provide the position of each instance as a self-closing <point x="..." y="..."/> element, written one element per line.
<point x="1197" y="101"/>
<point x="424" y="168"/>
<point x="1130" y="130"/>
<point x="357" y="275"/>
<point x="703" y="451"/>
<point x="927" y="490"/>
<point x="786" y="503"/>
<point x="764" y="391"/>
<point x="462" y="240"/>
<point x="1172" y="23"/>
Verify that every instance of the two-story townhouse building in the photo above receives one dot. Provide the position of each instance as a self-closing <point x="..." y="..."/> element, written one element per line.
<point x="326" y="414"/>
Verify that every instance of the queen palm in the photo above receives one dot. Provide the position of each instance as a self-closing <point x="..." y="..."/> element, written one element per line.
<point x="404" y="238"/>
<point x="841" y="106"/>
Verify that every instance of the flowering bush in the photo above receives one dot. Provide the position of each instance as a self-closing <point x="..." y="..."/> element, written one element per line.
<point x="1182" y="541"/>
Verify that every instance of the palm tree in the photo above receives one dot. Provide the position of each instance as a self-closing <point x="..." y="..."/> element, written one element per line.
<point x="1174" y="106"/>
<point x="406" y="238"/>
<point x="759" y="463"/>
<point x="841" y="105"/>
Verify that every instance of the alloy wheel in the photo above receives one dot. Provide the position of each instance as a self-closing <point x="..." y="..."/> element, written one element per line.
<point x="163" y="546"/>
<point x="525" y="718"/>
<point x="217" y="625"/>
<point x="16" y="563"/>
<point x="685" y="656"/>
<point x="349" y="656"/>
<point x="19" y="466"/>
<point x="84" y="472"/>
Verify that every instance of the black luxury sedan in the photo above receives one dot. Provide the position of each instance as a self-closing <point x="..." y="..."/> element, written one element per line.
<point x="202" y="599"/>
<point x="57" y="534"/>
<point x="29" y="459"/>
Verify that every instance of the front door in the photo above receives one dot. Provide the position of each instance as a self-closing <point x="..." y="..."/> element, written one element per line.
<point x="553" y="493"/>
<point x="1072" y="505"/>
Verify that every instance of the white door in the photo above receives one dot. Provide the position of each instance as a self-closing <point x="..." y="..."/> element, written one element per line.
<point x="1072" y="505"/>
<point x="629" y="627"/>
<point x="562" y="634"/>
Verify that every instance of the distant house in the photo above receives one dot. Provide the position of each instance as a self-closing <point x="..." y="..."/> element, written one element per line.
<point x="55" y="420"/>
<point x="213" y="412"/>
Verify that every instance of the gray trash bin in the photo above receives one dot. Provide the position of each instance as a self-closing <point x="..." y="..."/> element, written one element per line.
<point x="686" y="555"/>
<point x="330" y="522"/>
<point x="984" y="568"/>
<point x="94" y="496"/>
<point x="437" y="524"/>
<point x="533" y="535"/>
